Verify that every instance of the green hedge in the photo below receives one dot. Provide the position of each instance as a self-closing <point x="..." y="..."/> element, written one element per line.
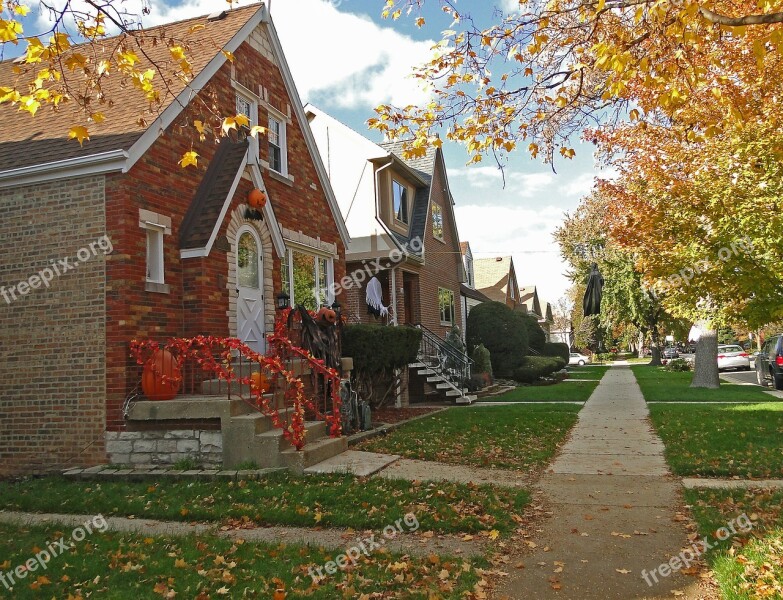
<point x="557" y="349"/>
<point x="503" y="332"/>
<point x="375" y="348"/>
<point x="482" y="360"/>
<point x="536" y="367"/>
<point x="536" y="337"/>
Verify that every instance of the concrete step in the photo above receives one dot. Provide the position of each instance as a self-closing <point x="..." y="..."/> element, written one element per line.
<point x="452" y="393"/>
<point x="313" y="453"/>
<point x="184" y="407"/>
<point x="274" y="441"/>
<point x="436" y="379"/>
<point x="427" y="372"/>
<point x="467" y="399"/>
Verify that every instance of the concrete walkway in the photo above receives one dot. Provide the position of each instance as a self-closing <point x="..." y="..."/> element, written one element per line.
<point x="614" y="509"/>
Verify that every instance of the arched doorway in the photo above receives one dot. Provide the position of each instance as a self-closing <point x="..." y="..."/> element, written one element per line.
<point x="250" y="289"/>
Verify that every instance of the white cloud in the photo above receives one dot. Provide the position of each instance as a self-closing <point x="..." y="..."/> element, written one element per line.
<point x="525" y="234"/>
<point x="520" y="185"/>
<point x="346" y="60"/>
<point x="579" y="186"/>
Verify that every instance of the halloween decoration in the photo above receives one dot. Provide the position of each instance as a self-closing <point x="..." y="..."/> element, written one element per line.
<point x="260" y="382"/>
<point x="256" y="199"/>
<point x="161" y="376"/>
<point x="322" y="341"/>
<point x="594" y="292"/>
<point x="374" y="299"/>
<point x="326" y="316"/>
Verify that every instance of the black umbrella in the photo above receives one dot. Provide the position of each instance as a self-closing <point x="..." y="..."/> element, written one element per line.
<point x="594" y="292"/>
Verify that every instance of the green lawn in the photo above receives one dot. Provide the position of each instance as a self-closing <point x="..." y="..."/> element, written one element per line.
<point x="279" y="499"/>
<point x="587" y="372"/>
<point x="714" y="440"/>
<point x="523" y="437"/>
<point x="573" y="391"/>
<point x="659" y="385"/>
<point x="119" y="565"/>
<point x="748" y="565"/>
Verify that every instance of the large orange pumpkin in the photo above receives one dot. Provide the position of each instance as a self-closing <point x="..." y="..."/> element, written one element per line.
<point x="260" y="382"/>
<point x="153" y="385"/>
<point x="326" y="315"/>
<point x="256" y="198"/>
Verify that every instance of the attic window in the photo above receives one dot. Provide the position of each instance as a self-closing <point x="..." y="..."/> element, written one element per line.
<point x="400" y="196"/>
<point x="437" y="222"/>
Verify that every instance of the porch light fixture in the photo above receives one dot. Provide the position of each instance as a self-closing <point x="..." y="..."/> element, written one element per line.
<point x="282" y="300"/>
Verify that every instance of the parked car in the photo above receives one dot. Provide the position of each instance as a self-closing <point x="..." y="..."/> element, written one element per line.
<point x="578" y="359"/>
<point x="671" y="353"/>
<point x="769" y="363"/>
<point x="733" y="357"/>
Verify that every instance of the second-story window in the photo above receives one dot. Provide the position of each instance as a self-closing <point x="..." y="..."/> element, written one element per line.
<point x="400" y="197"/>
<point x="277" y="146"/>
<point x="437" y="222"/>
<point x="248" y="107"/>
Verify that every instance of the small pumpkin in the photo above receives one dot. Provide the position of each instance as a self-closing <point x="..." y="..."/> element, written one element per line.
<point x="161" y="376"/>
<point x="327" y="315"/>
<point x="256" y="199"/>
<point x="260" y="382"/>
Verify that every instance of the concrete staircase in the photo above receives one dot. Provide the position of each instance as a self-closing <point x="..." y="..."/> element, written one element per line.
<point x="248" y="435"/>
<point x="441" y="382"/>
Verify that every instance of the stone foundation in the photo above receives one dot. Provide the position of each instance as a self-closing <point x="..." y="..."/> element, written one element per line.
<point x="164" y="447"/>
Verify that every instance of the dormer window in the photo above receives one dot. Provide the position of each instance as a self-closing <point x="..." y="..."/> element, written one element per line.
<point x="400" y="196"/>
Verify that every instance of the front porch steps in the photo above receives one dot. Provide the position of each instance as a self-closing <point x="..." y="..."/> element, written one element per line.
<point x="441" y="382"/>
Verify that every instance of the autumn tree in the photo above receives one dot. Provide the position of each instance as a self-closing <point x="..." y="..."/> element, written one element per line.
<point x="69" y="66"/>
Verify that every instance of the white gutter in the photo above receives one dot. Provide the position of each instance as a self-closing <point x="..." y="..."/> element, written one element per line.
<point x="114" y="160"/>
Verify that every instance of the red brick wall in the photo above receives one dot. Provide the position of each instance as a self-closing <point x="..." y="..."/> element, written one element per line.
<point x="442" y="262"/>
<point x="198" y="298"/>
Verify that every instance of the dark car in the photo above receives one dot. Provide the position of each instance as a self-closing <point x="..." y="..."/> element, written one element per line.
<point x="769" y="363"/>
<point x="671" y="353"/>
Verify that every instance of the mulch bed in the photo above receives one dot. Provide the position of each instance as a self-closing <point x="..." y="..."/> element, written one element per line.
<point x="395" y="415"/>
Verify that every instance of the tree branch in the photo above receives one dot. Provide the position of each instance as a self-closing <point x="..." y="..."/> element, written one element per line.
<point x="719" y="19"/>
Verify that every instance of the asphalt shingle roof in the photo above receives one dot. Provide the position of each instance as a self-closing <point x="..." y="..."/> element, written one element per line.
<point x="44" y="138"/>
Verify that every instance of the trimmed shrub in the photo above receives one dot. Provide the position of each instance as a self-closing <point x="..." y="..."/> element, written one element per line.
<point x="536" y="337"/>
<point x="678" y="365"/>
<point x="482" y="363"/>
<point x="557" y="349"/>
<point x="536" y="367"/>
<point x="503" y="332"/>
<point x="376" y="348"/>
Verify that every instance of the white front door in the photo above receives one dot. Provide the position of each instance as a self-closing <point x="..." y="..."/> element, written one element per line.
<point x="250" y="290"/>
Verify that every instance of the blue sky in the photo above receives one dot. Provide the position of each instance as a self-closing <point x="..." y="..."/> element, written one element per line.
<point x="347" y="59"/>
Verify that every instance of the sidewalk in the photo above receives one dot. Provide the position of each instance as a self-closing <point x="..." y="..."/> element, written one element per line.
<point x="614" y="509"/>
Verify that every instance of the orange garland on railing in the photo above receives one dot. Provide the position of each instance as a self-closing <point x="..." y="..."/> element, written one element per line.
<point x="204" y="349"/>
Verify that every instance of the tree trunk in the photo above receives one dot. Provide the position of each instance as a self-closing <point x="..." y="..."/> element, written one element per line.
<point x="705" y="371"/>
<point x="642" y="336"/>
<point x="656" y="348"/>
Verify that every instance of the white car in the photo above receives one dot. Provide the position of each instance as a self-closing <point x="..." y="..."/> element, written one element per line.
<point x="578" y="359"/>
<point x="733" y="357"/>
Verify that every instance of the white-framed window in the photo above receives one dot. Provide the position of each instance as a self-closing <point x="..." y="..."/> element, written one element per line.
<point x="446" y="305"/>
<point x="400" y="201"/>
<point x="278" y="151"/>
<point x="437" y="221"/>
<point x="249" y="107"/>
<point x="307" y="278"/>
<point x="469" y="270"/>
<point x="155" y="263"/>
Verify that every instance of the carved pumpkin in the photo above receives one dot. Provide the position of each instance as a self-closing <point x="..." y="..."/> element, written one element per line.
<point x="260" y="382"/>
<point x="161" y="376"/>
<point x="327" y="315"/>
<point x="256" y="199"/>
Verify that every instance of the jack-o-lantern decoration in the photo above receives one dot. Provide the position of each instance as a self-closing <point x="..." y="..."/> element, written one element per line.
<point x="256" y="199"/>
<point x="326" y="316"/>
<point x="161" y="376"/>
<point x="260" y="382"/>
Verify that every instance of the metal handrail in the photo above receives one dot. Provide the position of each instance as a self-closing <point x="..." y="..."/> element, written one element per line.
<point x="449" y="360"/>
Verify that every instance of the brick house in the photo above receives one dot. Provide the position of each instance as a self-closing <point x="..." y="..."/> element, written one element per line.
<point x="470" y="297"/>
<point x="543" y="312"/>
<point x="400" y="217"/>
<point x="496" y="278"/>
<point x="161" y="250"/>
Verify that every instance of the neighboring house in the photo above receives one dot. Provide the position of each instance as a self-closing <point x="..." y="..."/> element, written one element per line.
<point x="400" y="217"/>
<point x="179" y="253"/>
<point x="469" y="295"/>
<point x="543" y="312"/>
<point x="497" y="279"/>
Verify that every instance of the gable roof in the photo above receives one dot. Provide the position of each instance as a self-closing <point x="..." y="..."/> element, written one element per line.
<point x="463" y="247"/>
<point x="528" y="295"/>
<point x="215" y="187"/>
<point x="36" y="140"/>
<point x="491" y="272"/>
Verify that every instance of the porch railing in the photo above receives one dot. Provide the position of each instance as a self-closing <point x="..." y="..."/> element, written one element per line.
<point x="445" y="358"/>
<point x="287" y="384"/>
